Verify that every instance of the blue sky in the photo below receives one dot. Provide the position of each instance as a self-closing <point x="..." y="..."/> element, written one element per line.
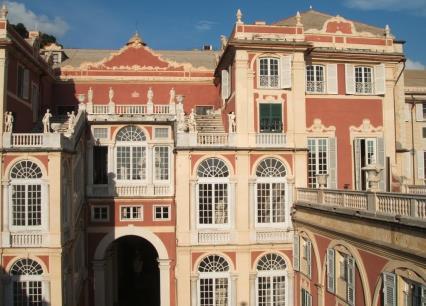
<point x="188" y="24"/>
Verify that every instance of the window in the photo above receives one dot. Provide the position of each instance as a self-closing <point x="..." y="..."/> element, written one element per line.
<point x="161" y="212"/>
<point x="100" y="133"/>
<point x="270" y="118"/>
<point x="212" y="190"/>
<point x="302" y="246"/>
<point x="341" y="275"/>
<point x="161" y="133"/>
<point x="23" y="81"/>
<point x="268" y="72"/>
<point x="271" y="188"/>
<point x="26" y="195"/>
<point x="131" y="213"/>
<point x="100" y="213"/>
<point x="398" y="290"/>
<point x="363" y="80"/>
<point x="367" y="151"/>
<point x="271" y="281"/>
<point x="100" y="165"/>
<point x="315" y="79"/>
<point x="161" y="163"/>
<point x="27" y="284"/>
<point x="317" y="159"/>
<point x="306" y="298"/>
<point x="424" y="132"/>
<point x="131" y="154"/>
<point x="213" y="283"/>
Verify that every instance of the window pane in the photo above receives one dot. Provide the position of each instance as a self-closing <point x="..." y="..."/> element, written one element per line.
<point x="221" y="203"/>
<point x="161" y="163"/>
<point x="264" y="291"/>
<point x="123" y="163"/>
<point x="278" y="202"/>
<point x="221" y="292"/>
<point x="205" y="200"/>
<point x="263" y="206"/>
<point x="206" y="292"/>
<point x="34" y="205"/>
<point x="18" y="205"/>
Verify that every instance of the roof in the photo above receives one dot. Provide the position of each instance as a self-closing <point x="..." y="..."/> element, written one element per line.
<point x="312" y="19"/>
<point x="197" y="58"/>
<point x="415" y="78"/>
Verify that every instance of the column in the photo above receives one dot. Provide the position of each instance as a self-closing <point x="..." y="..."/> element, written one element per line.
<point x="252" y="203"/>
<point x="99" y="282"/>
<point x="290" y="290"/>
<point x="320" y="291"/>
<point x="164" y="266"/>
<point x="193" y="210"/>
<point x="194" y="289"/>
<point x="232" y="202"/>
<point x="234" y="293"/>
<point x="5" y="239"/>
<point x="46" y="292"/>
<point x="150" y="168"/>
<point x="290" y="191"/>
<point x="252" y="289"/>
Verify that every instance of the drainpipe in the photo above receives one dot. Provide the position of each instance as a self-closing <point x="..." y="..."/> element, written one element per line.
<point x="413" y="154"/>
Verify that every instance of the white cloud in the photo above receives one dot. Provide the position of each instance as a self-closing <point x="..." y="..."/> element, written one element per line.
<point x="18" y="13"/>
<point x="204" y="25"/>
<point x="412" y="6"/>
<point x="414" y="65"/>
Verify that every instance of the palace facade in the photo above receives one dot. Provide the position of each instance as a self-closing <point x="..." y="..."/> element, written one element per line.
<point x="285" y="169"/>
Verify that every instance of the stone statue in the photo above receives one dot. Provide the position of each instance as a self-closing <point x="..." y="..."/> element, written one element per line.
<point x="90" y="95"/>
<point x="192" y="123"/>
<point x="239" y="16"/>
<point x="150" y="95"/>
<point x="181" y="121"/>
<point x="46" y="121"/>
<point x="232" y="124"/>
<point x="223" y="42"/>
<point x="8" y="122"/>
<point x="71" y="122"/>
<point x="111" y="94"/>
<point x="172" y="96"/>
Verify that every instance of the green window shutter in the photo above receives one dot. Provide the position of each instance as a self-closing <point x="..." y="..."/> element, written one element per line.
<point x="350" y="265"/>
<point x="296" y="248"/>
<point x="389" y="289"/>
<point x="276" y="118"/>
<point x="264" y="111"/>
<point x="309" y="257"/>
<point x="423" y="297"/>
<point x="330" y="270"/>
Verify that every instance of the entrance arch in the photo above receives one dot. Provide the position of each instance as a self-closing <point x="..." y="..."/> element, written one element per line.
<point x="102" y="292"/>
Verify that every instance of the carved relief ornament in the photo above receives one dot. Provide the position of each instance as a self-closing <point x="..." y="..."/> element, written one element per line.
<point x="318" y="127"/>
<point x="366" y="127"/>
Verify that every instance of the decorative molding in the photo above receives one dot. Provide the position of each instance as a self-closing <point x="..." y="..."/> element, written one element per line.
<point x="319" y="127"/>
<point x="366" y="127"/>
<point x="135" y="94"/>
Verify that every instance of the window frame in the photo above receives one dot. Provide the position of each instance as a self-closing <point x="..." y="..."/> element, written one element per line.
<point x="154" y="213"/>
<point x="92" y="213"/>
<point x="315" y="81"/>
<point x="131" y="219"/>
<point x="361" y="87"/>
<point x="154" y="166"/>
<point x="269" y="75"/>
<point x="312" y="180"/>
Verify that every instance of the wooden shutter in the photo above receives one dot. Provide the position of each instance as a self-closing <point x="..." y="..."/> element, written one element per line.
<point x="419" y="112"/>
<point x="286" y="71"/>
<point x="423" y="296"/>
<point x="330" y="270"/>
<point x="332" y="79"/>
<point x="264" y="119"/>
<point x="26" y="89"/>
<point x="420" y="164"/>
<point x="381" y="161"/>
<point x="350" y="265"/>
<point x="350" y="79"/>
<point x="389" y="289"/>
<point x="296" y="249"/>
<point x="309" y="257"/>
<point x="225" y="84"/>
<point x="309" y="299"/>
<point x="357" y="163"/>
<point x="332" y="163"/>
<point x="379" y="79"/>
<point x="276" y="116"/>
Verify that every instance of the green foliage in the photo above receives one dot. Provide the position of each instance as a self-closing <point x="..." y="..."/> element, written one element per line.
<point x="21" y="29"/>
<point x="45" y="39"/>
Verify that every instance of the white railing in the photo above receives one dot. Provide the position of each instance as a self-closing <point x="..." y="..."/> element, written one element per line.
<point x="26" y="239"/>
<point x="315" y="86"/>
<point x="162" y="190"/>
<point x="161" y="109"/>
<point x="273" y="235"/>
<point x="27" y="139"/>
<point x="270" y="139"/>
<point x="416" y="189"/>
<point x="212" y="139"/>
<point x="213" y="237"/>
<point x="383" y="203"/>
<point x="100" y="109"/>
<point x="130" y="109"/>
<point x="128" y="190"/>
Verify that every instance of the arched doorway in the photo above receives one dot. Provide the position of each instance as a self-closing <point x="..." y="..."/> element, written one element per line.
<point x="132" y="272"/>
<point x="107" y="262"/>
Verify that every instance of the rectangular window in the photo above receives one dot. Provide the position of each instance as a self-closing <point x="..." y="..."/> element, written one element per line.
<point x="161" y="133"/>
<point x="100" y="213"/>
<point x="315" y="81"/>
<point x="270" y="118"/>
<point x="26" y="205"/>
<point x="269" y="72"/>
<point x="161" y="160"/>
<point x="131" y="213"/>
<point x="270" y="203"/>
<point x="100" y="165"/>
<point x="213" y="203"/>
<point x="306" y="298"/>
<point x="317" y="159"/>
<point x="161" y="213"/>
<point x="365" y="154"/>
<point x="131" y="163"/>
<point x="100" y="133"/>
<point x="363" y="80"/>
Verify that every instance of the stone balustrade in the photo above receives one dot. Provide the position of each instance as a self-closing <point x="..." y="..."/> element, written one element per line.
<point x="416" y="189"/>
<point x="131" y="109"/>
<point x="270" y="235"/>
<point x="379" y="203"/>
<point x="26" y="239"/>
<point x="270" y="139"/>
<point x="129" y="190"/>
<point x="214" y="237"/>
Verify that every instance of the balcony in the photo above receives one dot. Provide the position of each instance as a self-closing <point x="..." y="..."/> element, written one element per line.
<point x="101" y="191"/>
<point x="26" y="240"/>
<point x="214" y="237"/>
<point x="273" y="235"/>
<point x="385" y="205"/>
<point x="270" y="140"/>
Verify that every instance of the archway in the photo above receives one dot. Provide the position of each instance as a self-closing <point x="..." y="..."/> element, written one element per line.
<point x="124" y="260"/>
<point x="132" y="272"/>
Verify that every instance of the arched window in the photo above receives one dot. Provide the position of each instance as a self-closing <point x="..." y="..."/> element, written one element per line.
<point x="131" y="154"/>
<point x="271" y="195"/>
<point x="26" y="195"/>
<point x="271" y="281"/>
<point x="213" y="284"/>
<point x="213" y="193"/>
<point x="27" y="285"/>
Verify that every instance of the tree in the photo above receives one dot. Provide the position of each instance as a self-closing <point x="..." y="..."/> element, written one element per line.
<point x="21" y="29"/>
<point x="45" y="39"/>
